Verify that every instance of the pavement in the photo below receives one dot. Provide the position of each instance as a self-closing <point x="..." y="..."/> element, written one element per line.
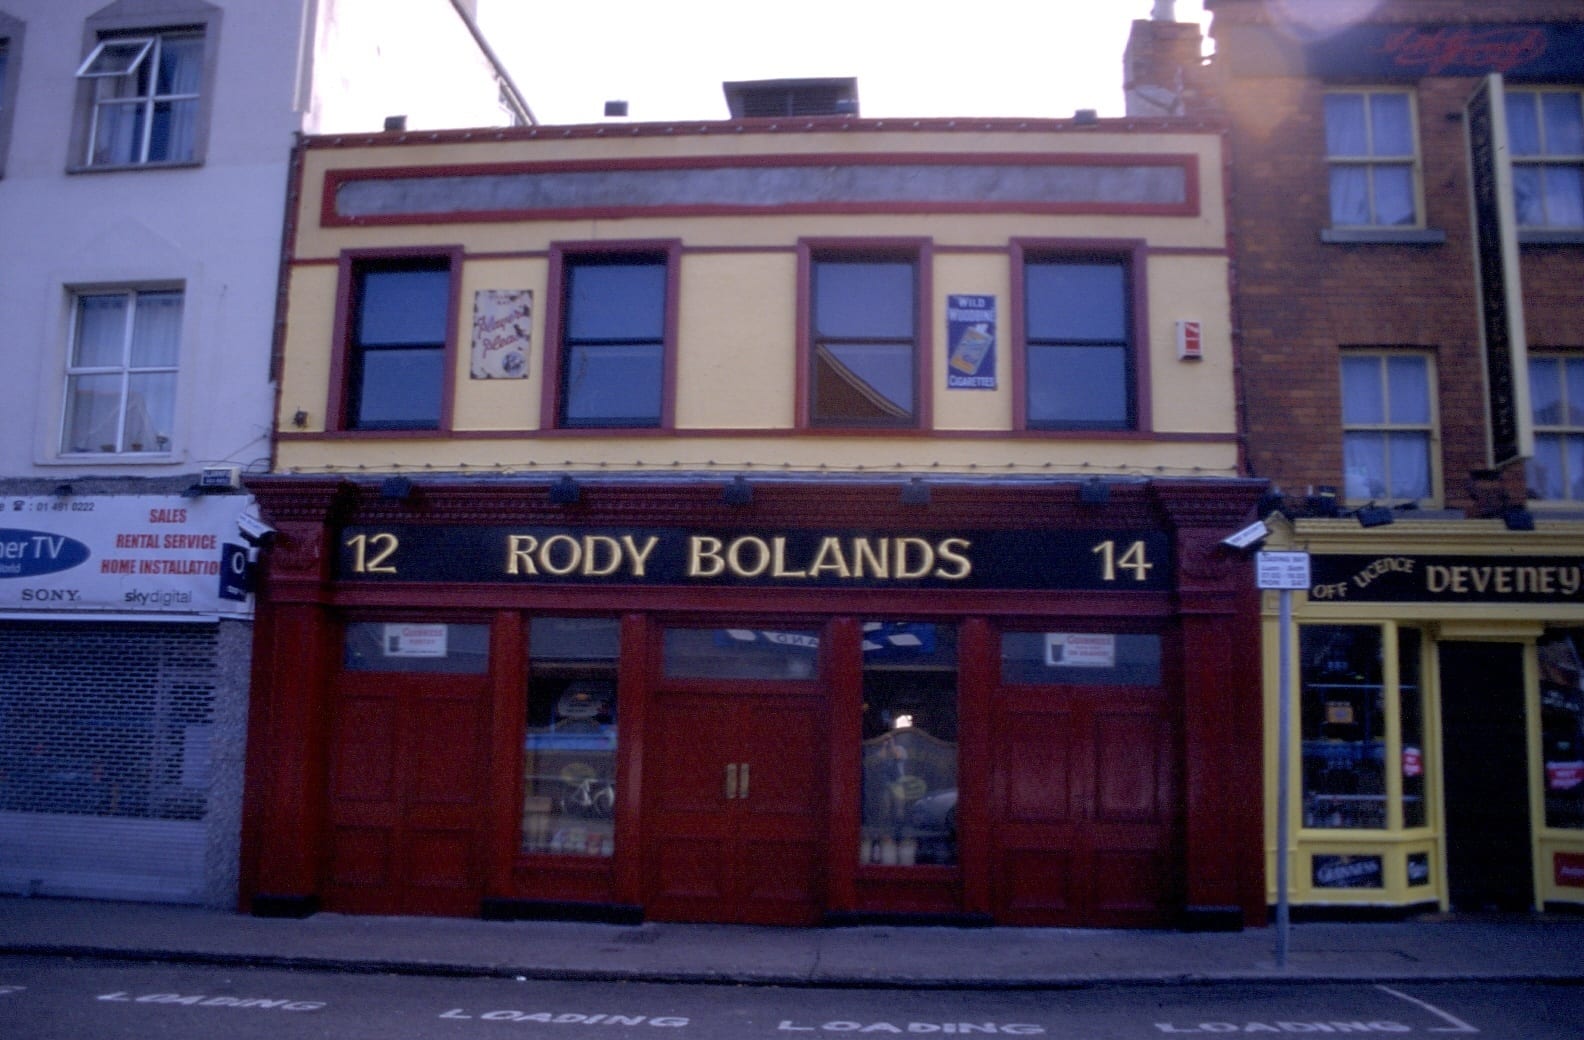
<point x="1435" y="947"/>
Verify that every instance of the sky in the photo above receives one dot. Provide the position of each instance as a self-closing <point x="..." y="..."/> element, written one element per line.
<point x="912" y="58"/>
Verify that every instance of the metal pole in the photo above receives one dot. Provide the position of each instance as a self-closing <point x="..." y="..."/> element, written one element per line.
<point x="1283" y="778"/>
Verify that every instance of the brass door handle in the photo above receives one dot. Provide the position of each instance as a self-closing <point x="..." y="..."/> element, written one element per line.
<point x="731" y="780"/>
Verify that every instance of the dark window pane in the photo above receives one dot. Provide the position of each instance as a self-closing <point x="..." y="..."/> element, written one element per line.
<point x="400" y="388"/>
<point x="1078" y="385"/>
<point x="624" y="301"/>
<point x="409" y="305"/>
<point x="1077" y="302"/>
<point x="616" y="384"/>
<point x="863" y="299"/>
<point x="863" y="382"/>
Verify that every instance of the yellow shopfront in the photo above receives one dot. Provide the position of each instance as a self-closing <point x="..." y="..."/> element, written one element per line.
<point x="1437" y="724"/>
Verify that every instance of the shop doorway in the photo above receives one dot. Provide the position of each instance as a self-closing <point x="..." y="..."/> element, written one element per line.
<point x="735" y="813"/>
<point x="1485" y="777"/>
<point x="1086" y="785"/>
<point x="409" y="758"/>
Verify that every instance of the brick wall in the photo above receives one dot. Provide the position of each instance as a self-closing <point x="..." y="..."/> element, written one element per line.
<point x="1300" y="301"/>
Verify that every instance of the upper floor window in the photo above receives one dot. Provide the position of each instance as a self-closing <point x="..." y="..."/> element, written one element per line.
<point x="399" y="329"/>
<point x="145" y="98"/>
<point x="1387" y="427"/>
<point x="615" y="327"/>
<point x="1372" y="158"/>
<point x="10" y="48"/>
<point x="863" y="349"/>
<point x="1546" y="132"/>
<point x="1556" y="397"/>
<point x="121" y="373"/>
<point x="1078" y="355"/>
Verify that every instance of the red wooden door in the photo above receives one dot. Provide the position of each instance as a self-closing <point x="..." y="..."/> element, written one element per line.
<point x="1086" y="807"/>
<point x="409" y="756"/>
<point x="734" y="808"/>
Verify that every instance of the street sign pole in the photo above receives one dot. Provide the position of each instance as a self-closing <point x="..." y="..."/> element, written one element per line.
<point x="1283" y="779"/>
<point x="1283" y="571"/>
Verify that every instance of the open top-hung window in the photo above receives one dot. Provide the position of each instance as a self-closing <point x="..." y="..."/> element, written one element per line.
<point x="1078" y="364"/>
<point x="614" y="330"/>
<point x="145" y="94"/>
<point x="1373" y="159"/>
<point x="121" y="374"/>
<point x="864" y="340"/>
<point x="1545" y="129"/>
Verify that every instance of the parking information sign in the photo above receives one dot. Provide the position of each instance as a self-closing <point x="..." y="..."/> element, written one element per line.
<point x="1282" y="570"/>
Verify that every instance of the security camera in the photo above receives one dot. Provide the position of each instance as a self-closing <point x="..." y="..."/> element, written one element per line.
<point x="255" y="530"/>
<point x="1250" y="536"/>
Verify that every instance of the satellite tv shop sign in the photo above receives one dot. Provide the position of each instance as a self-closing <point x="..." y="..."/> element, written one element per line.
<point x="141" y="554"/>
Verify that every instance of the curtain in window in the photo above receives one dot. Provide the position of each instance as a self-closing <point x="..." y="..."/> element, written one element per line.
<point x="121" y="395"/>
<point x="175" y="127"/>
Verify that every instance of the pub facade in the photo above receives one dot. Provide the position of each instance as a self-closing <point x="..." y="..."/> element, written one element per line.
<point x="777" y="521"/>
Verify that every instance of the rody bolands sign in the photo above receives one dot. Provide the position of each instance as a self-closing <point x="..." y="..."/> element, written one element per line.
<point x="142" y="554"/>
<point x="1110" y="560"/>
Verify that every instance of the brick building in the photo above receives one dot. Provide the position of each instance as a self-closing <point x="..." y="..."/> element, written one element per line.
<point x="1408" y="216"/>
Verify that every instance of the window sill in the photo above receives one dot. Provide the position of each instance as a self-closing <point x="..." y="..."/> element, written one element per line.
<point x="1383" y="236"/>
<point x="1547" y="237"/>
<point x="186" y="164"/>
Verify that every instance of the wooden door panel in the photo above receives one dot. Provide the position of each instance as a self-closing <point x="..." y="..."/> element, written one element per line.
<point x="1034" y="768"/>
<point x="1086" y="807"/>
<point x="409" y="761"/>
<point x="1128" y="766"/>
<point x="747" y="850"/>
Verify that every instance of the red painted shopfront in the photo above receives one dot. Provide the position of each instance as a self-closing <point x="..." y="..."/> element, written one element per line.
<point x="823" y="704"/>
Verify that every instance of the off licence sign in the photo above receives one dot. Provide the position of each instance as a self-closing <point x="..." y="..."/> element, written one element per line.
<point x="1282" y="570"/>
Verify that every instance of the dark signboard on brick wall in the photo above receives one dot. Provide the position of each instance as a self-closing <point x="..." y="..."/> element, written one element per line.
<point x="1500" y="298"/>
<point x="1376" y="53"/>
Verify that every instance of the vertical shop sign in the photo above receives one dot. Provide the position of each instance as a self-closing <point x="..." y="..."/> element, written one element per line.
<point x="1496" y="270"/>
<point x="971" y="342"/>
<point x="502" y="332"/>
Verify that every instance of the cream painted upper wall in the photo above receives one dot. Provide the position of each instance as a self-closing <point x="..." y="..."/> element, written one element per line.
<point x="738" y="297"/>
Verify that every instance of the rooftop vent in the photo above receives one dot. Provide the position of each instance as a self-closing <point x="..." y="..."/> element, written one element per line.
<point x="778" y="98"/>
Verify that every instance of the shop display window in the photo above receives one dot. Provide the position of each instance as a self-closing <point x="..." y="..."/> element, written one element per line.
<point x="1411" y="710"/>
<point x="416" y="646"/>
<point x="741" y="653"/>
<point x="1343" y="711"/>
<point x="909" y="744"/>
<point x="1081" y="658"/>
<point x="1562" y="727"/>
<point x="569" y="754"/>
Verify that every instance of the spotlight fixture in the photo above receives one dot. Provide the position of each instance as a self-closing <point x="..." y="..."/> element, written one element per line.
<point x="64" y="490"/>
<point x="1322" y="501"/>
<point x="1373" y="515"/>
<point x="737" y="492"/>
<point x="1517" y="518"/>
<point x="299" y="418"/>
<point x="565" y="491"/>
<point x="397" y="487"/>
<point x="915" y="493"/>
<point x="1094" y="492"/>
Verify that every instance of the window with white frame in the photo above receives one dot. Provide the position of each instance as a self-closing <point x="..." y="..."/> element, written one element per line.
<point x="1545" y="130"/>
<point x="121" y="373"/>
<point x="1556" y="400"/>
<point x="1373" y="159"/>
<point x="1388" y="427"/>
<point x="145" y="98"/>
